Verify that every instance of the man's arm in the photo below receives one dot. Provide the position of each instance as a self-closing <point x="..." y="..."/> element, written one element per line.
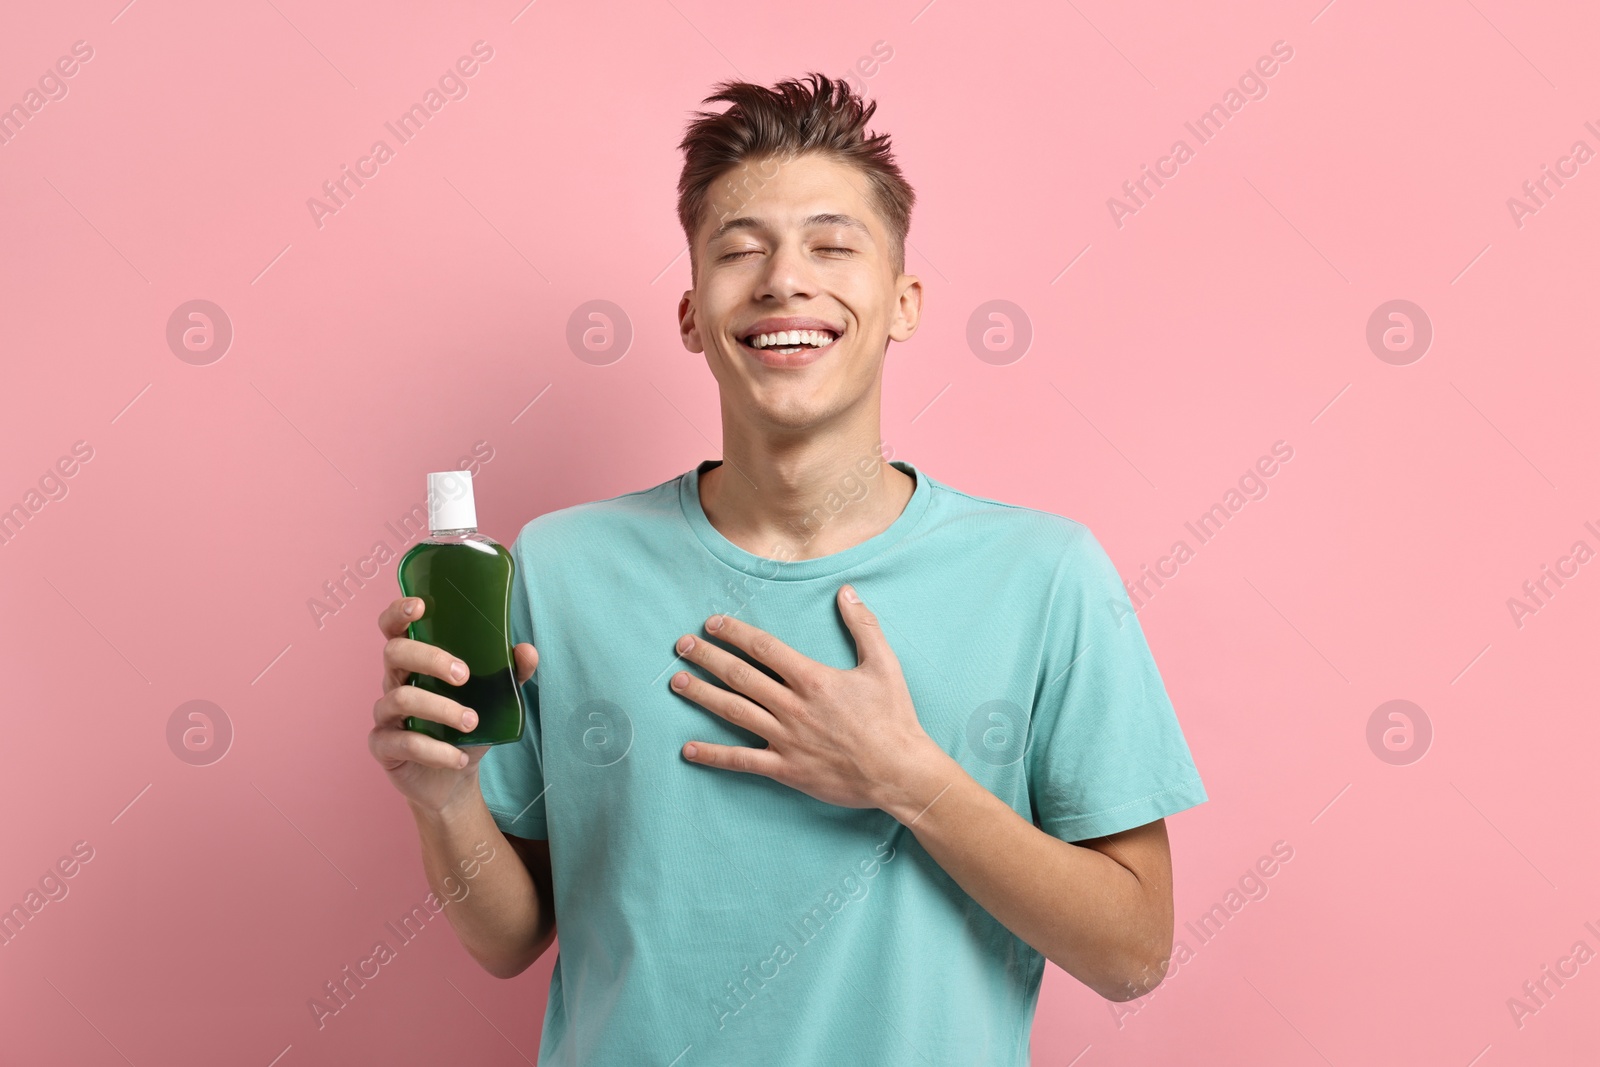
<point x="1101" y="910"/>
<point x="506" y="917"/>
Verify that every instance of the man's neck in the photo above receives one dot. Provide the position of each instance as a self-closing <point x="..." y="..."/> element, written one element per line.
<point x="805" y="501"/>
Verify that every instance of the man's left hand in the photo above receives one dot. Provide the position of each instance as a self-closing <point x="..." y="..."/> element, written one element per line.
<point x="847" y="737"/>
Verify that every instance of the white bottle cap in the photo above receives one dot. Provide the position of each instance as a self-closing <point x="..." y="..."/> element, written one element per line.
<point x="450" y="505"/>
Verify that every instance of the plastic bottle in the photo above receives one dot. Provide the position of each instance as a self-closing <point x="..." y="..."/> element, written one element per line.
<point x="464" y="581"/>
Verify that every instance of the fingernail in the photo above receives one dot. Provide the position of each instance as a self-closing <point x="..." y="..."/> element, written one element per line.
<point x="685" y="643"/>
<point x="680" y="680"/>
<point x="469" y="719"/>
<point x="458" y="671"/>
<point x="714" y="623"/>
<point x="689" y="750"/>
<point x="850" y="595"/>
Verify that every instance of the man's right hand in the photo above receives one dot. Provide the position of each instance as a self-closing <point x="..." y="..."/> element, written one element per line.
<point x="433" y="775"/>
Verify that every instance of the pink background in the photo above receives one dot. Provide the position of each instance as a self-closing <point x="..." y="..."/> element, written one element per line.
<point x="1228" y="313"/>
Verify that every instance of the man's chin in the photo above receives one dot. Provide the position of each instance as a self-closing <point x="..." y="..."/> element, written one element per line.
<point x="791" y="414"/>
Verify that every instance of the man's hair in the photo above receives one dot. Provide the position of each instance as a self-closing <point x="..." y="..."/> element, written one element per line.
<point x="825" y="117"/>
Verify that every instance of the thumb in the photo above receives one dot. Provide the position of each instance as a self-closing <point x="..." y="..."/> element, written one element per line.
<point x="527" y="659"/>
<point x="871" y="645"/>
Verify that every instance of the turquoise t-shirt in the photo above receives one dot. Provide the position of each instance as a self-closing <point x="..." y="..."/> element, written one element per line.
<point x="711" y="917"/>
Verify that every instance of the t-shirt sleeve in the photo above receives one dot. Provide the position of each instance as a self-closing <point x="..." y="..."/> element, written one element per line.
<point x="511" y="776"/>
<point x="1105" y="752"/>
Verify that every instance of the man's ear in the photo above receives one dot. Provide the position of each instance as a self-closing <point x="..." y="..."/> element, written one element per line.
<point x="908" y="308"/>
<point x="688" y="328"/>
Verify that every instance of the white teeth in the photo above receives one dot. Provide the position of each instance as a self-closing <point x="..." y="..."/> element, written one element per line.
<point x="790" y="338"/>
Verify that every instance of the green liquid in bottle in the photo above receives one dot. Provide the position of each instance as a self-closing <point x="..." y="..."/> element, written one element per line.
<point x="464" y="581"/>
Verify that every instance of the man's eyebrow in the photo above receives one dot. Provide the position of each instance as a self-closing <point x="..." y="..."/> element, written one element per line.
<point x="745" y="222"/>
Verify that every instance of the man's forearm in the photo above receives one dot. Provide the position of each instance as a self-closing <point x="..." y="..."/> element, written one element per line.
<point x="1081" y="909"/>
<point x="501" y="918"/>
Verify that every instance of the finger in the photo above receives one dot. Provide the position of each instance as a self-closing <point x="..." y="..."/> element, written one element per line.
<point x="761" y="761"/>
<point x="739" y="674"/>
<point x="392" y="747"/>
<point x="405" y="700"/>
<point x="403" y="656"/>
<point x="729" y="706"/>
<point x="400" y="614"/>
<point x="762" y="646"/>
<point x="527" y="658"/>
<point x="871" y="644"/>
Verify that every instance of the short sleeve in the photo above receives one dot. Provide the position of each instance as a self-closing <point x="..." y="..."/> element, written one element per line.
<point x="1105" y="752"/>
<point x="511" y="776"/>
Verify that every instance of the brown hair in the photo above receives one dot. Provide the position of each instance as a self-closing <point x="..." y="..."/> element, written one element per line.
<point x="825" y="117"/>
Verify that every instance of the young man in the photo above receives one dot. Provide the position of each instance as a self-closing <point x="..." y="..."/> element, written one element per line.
<point x="824" y="757"/>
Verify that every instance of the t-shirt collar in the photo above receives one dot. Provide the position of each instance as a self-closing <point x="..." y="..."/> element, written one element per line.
<point x="802" y="569"/>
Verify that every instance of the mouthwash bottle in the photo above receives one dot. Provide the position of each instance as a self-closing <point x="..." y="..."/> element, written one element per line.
<point x="464" y="580"/>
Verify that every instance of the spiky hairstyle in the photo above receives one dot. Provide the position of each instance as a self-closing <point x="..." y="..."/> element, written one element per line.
<point x="794" y="116"/>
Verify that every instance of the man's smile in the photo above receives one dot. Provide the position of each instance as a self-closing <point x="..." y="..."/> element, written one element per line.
<point x="789" y="342"/>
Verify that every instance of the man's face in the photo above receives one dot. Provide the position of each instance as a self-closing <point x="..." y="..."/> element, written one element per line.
<point x="795" y="244"/>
